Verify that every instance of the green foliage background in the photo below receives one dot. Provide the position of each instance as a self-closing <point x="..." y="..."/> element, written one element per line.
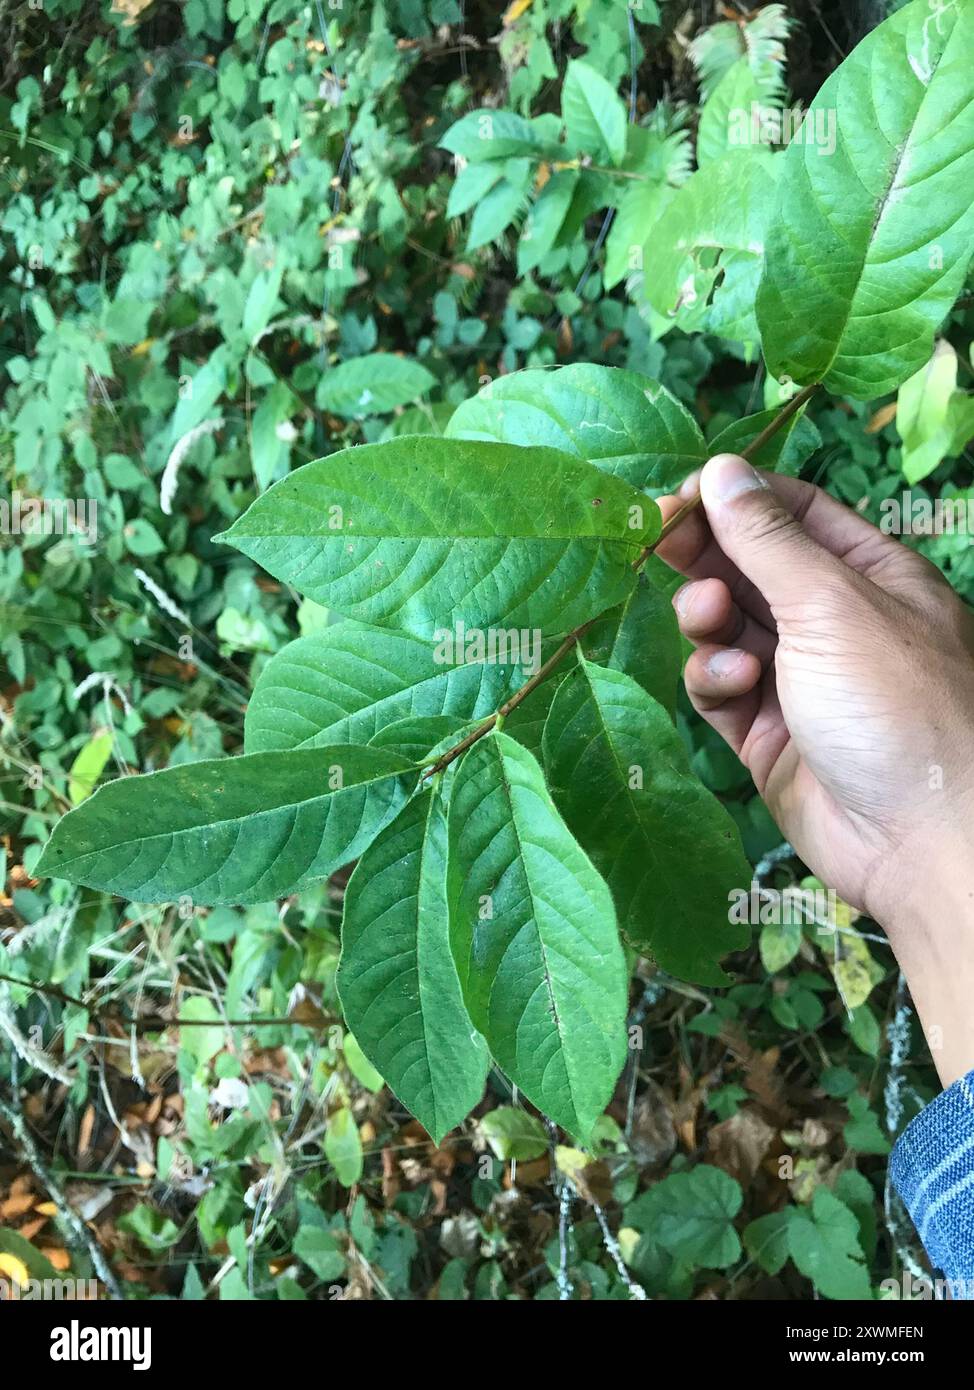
<point x="232" y="243"/>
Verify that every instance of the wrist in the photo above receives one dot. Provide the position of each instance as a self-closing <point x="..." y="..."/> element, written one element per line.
<point x="930" y="927"/>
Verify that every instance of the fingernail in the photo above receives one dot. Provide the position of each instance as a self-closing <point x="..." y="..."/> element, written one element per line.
<point x="725" y="662"/>
<point x="683" y="600"/>
<point x="728" y="476"/>
<point x="690" y="486"/>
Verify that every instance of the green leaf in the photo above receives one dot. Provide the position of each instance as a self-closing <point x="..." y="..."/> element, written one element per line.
<point x="544" y="221"/>
<point x="142" y="538"/>
<point x="269" y="452"/>
<point x="863" y="1027"/>
<point x="594" y="113"/>
<point x="691" y="1215"/>
<point x="870" y="245"/>
<point x="785" y="452"/>
<point x="534" y="937"/>
<point x="360" y="1066"/>
<point x="933" y="418"/>
<point x="470" y="185"/>
<point x="415" y="737"/>
<point x="824" y="1243"/>
<point x="425" y="533"/>
<point x="88" y="766"/>
<point x="779" y="944"/>
<point x="494" y="213"/>
<point x="488" y="134"/>
<point x="862" y="1131"/>
<point x="633" y="228"/>
<point x="343" y="1146"/>
<point x="372" y="385"/>
<point x="514" y="1133"/>
<point x="670" y="853"/>
<point x="347" y="683"/>
<point x="231" y="830"/>
<point x="708" y="247"/>
<point x="766" y="1240"/>
<point x="720" y="129"/>
<point x="626" y="424"/>
<point x="642" y="636"/>
<point x="201" y="1043"/>
<point x="320" y="1252"/>
<point x="397" y="980"/>
<point x="261" y="301"/>
<point x="155" y="1230"/>
<point x="38" y="1266"/>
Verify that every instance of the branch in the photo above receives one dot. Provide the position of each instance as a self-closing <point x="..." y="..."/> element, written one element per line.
<point x="148" y="1023"/>
<point x="756" y="444"/>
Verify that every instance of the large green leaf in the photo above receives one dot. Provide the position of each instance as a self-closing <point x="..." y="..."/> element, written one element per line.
<point x="671" y="854"/>
<point x="703" y="267"/>
<point x="624" y="423"/>
<point x="423" y="533"/>
<point x="346" y="682"/>
<point x="534" y="937"/>
<point x="233" y="830"/>
<point x="594" y="114"/>
<point x="871" y="244"/>
<point x="397" y="980"/>
<point x="641" y="636"/>
<point x="372" y="385"/>
<point x="489" y="134"/>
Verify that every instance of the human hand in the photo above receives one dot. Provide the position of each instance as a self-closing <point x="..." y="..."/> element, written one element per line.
<point x="839" y="665"/>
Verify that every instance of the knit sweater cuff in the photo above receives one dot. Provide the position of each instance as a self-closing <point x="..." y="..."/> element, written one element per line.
<point x="932" y="1168"/>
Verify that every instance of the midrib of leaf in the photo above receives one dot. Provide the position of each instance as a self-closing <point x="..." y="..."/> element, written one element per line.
<point x="434" y="1088"/>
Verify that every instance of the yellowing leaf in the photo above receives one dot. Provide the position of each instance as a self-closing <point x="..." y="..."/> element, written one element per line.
<point x="514" y="12"/>
<point x="855" y="971"/>
<point x="14" y="1270"/>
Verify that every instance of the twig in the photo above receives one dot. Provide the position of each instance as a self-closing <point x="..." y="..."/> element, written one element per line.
<point x="564" y="1231"/>
<point x="149" y="1023"/>
<point x="33" y="1056"/>
<point x="636" y="1290"/>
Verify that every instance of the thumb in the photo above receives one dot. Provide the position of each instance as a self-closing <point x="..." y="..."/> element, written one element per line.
<point x="759" y="535"/>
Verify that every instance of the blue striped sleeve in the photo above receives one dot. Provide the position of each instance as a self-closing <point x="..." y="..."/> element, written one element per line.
<point x="932" y="1168"/>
